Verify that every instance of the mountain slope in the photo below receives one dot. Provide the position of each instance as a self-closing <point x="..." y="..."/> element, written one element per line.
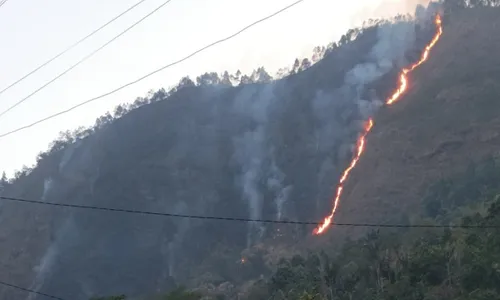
<point x="448" y="118"/>
<point x="258" y="150"/>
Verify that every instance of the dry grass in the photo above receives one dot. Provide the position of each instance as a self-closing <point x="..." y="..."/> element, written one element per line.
<point x="449" y="117"/>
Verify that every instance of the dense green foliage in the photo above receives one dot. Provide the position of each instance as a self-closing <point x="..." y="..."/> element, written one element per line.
<point x="410" y="264"/>
<point x="480" y="182"/>
<point x="179" y="293"/>
<point x="220" y="145"/>
<point x="451" y="6"/>
<point x="175" y="156"/>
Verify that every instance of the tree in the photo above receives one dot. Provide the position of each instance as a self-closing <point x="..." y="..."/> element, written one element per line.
<point x="181" y="293"/>
<point x="305" y="64"/>
<point x="282" y="72"/>
<point x="296" y="65"/>
<point x="121" y="297"/>
<point x="261" y="75"/>
<point x="3" y="182"/>
<point x="185" y="82"/>
<point x="245" y="79"/>
<point x="450" y="6"/>
<point x="318" y="53"/>
<point x="103" y="120"/>
<point x="211" y="78"/>
<point x="226" y="78"/>
<point x="119" y="111"/>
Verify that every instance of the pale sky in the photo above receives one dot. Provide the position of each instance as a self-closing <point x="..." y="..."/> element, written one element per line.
<point x="33" y="31"/>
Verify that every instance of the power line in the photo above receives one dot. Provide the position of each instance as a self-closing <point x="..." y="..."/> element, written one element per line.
<point x="30" y="291"/>
<point x="70" y="47"/>
<point x="234" y="219"/>
<point x="84" y="59"/>
<point x="153" y="72"/>
<point x="3" y="2"/>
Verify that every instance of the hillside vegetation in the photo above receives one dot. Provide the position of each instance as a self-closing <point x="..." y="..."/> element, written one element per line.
<point x="446" y="121"/>
<point x="262" y="147"/>
<point x="410" y="263"/>
<point x="222" y="145"/>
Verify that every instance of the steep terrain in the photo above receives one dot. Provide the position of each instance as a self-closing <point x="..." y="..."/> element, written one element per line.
<point x="262" y="149"/>
<point x="448" y="118"/>
<point x="432" y="158"/>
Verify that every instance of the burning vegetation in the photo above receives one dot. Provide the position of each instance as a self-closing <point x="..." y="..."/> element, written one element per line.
<point x="360" y="146"/>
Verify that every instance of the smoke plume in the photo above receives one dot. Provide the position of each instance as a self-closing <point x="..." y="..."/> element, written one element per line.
<point x="253" y="103"/>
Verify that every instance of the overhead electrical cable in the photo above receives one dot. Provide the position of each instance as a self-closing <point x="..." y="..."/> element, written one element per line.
<point x="30" y="291"/>
<point x="83" y="59"/>
<point x="151" y="73"/>
<point x="234" y="219"/>
<point x="71" y="47"/>
<point x="3" y="2"/>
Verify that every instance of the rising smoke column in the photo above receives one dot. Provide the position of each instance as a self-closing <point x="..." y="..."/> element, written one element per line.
<point x="253" y="103"/>
<point x="47" y="261"/>
<point x="72" y="169"/>
<point x="47" y="187"/>
<point x="275" y="183"/>
<point x="251" y="146"/>
<point x="176" y="243"/>
<point x="68" y="154"/>
<point x="403" y="85"/>
<point x="341" y="114"/>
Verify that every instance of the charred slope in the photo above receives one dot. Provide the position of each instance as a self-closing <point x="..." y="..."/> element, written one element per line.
<point x="260" y="150"/>
<point x="448" y="118"/>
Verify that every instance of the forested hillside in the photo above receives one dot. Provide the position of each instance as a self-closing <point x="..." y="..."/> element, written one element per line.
<point x="270" y="147"/>
<point x="447" y="120"/>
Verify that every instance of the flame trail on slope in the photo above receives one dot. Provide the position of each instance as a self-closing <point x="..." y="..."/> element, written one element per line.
<point x="360" y="145"/>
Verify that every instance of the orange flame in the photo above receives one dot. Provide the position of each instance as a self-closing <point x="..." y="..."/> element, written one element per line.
<point x="403" y="79"/>
<point x="360" y="146"/>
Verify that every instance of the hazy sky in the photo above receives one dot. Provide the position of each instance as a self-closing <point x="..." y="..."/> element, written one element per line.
<point x="33" y="31"/>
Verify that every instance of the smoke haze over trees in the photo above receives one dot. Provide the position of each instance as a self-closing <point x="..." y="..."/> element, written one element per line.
<point x="256" y="146"/>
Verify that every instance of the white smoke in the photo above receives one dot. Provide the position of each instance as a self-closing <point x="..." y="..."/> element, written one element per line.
<point x="394" y="41"/>
<point x="47" y="187"/>
<point x="176" y="242"/>
<point x="250" y="153"/>
<point x="171" y="259"/>
<point x="324" y="179"/>
<point x="366" y="108"/>
<point x="49" y="259"/>
<point x="93" y="180"/>
<point x="275" y="184"/>
<point x="41" y="270"/>
<point x="330" y="129"/>
<point x="253" y="102"/>
<point x="281" y="199"/>
<point x="68" y="154"/>
<point x="424" y="15"/>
